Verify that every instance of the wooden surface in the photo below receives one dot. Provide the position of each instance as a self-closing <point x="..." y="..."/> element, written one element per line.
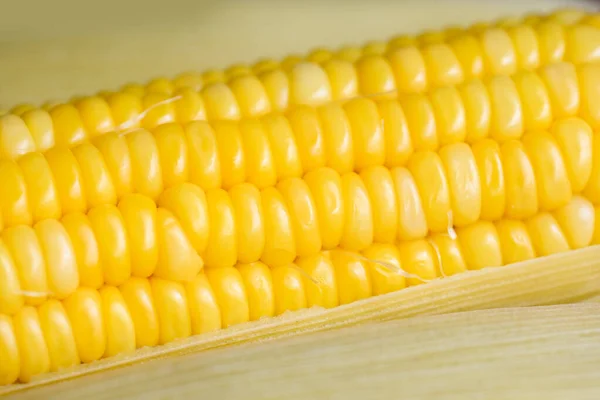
<point x="520" y="353"/>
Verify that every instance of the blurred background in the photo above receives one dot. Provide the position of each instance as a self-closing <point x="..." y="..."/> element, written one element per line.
<point x="52" y="50"/>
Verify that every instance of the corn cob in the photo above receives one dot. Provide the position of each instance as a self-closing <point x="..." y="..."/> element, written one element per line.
<point x="104" y="244"/>
<point x="403" y="66"/>
<point x="91" y="324"/>
<point x="349" y="137"/>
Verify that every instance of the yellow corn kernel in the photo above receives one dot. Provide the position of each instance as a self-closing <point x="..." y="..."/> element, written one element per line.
<point x="229" y="290"/>
<point x="338" y="142"/>
<point x="249" y="221"/>
<point x="277" y="87"/>
<point x="375" y="77"/>
<point x="499" y="53"/>
<point x="288" y="289"/>
<point x="260" y="166"/>
<point x="172" y="310"/>
<point x="96" y="115"/>
<point x="553" y="186"/>
<point x="515" y="242"/>
<point x="450" y="259"/>
<point x="251" y="96"/>
<point x="443" y="67"/>
<point x="382" y="196"/>
<point x="19" y="110"/>
<point x="189" y="106"/>
<point x="507" y="113"/>
<point x="280" y="244"/>
<point x="589" y="87"/>
<point x="86" y="249"/>
<point x="574" y="138"/>
<point x="24" y="247"/>
<point x="309" y="85"/>
<point x="188" y="204"/>
<point x="319" y="280"/>
<point x="358" y="224"/>
<point x="343" y="79"/>
<point x="535" y="101"/>
<point x="33" y="351"/>
<point x="84" y="309"/>
<point x="146" y="174"/>
<point x="349" y="53"/>
<point x="418" y="259"/>
<point x="41" y="190"/>
<point x="160" y="85"/>
<point x="14" y="202"/>
<point x="408" y="66"/>
<point x="303" y="215"/>
<point x="113" y="247"/>
<point x="309" y="137"/>
<point x="188" y="79"/>
<point x="259" y="289"/>
<point x="283" y="146"/>
<point x="177" y="259"/>
<point x="526" y="45"/>
<point x="220" y="102"/>
<point x="469" y="53"/>
<point x="385" y="269"/>
<point x="577" y="221"/>
<point x="520" y="181"/>
<point x="158" y="109"/>
<point x="68" y="126"/>
<point x="325" y="186"/>
<point x="95" y="177"/>
<point x="40" y="127"/>
<point x="120" y="331"/>
<point x="374" y="47"/>
<point x="265" y="65"/>
<point x="398" y="145"/>
<point x="137" y="294"/>
<point x="561" y="81"/>
<point x="319" y="55"/>
<point x="140" y="220"/>
<point x="449" y="114"/>
<point x="551" y="39"/>
<point x="115" y="153"/>
<point x="491" y="176"/>
<point x="352" y="276"/>
<point x="368" y="137"/>
<point x="59" y="256"/>
<point x="126" y="109"/>
<point x="237" y="70"/>
<point x="428" y="171"/>
<point x="421" y="122"/>
<point x="464" y="183"/>
<point x="221" y="250"/>
<point x="69" y="187"/>
<point x="204" y="310"/>
<point x="172" y="153"/>
<point x="231" y="154"/>
<point x="478" y="110"/>
<point x="212" y="76"/>
<point x="10" y="368"/>
<point x="412" y="223"/>
<point x="15" y="139"/>
<point x="546" y="235"/>
<point x="11" y="298"/>
<point x="481" y="245"/>
<point x="203" y="156"/>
